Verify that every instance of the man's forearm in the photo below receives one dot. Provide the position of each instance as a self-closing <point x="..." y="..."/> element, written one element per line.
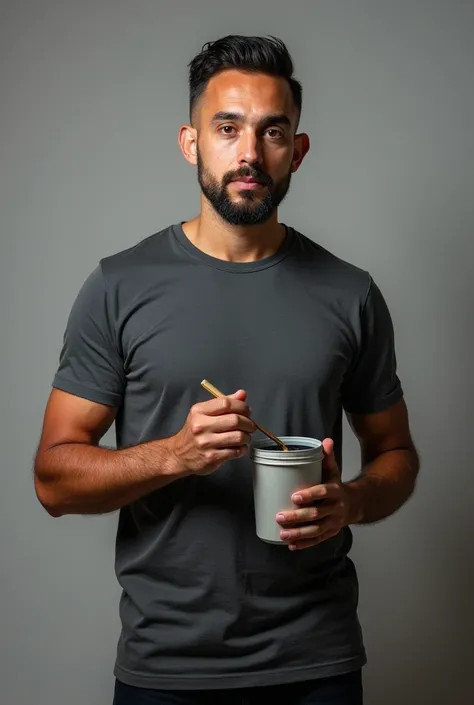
<point x="74" y="478"/>
<point x="384" y="485"/>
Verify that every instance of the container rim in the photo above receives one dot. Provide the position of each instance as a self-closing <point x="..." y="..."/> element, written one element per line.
<point x="263" y="448"/>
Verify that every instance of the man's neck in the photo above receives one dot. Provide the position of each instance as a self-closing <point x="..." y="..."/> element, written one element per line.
<point x="234" y="243"/>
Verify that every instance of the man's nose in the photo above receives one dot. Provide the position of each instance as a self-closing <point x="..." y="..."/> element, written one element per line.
<point x="249" y="149"/>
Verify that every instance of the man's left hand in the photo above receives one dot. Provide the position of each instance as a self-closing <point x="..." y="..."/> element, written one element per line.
<point x="313" y="523"/>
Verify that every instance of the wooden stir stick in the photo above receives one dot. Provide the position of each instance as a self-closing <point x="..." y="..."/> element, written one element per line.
<point x="216" y="393"/>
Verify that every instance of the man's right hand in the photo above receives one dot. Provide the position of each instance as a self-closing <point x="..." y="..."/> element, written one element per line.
<point x="214" y="431"/>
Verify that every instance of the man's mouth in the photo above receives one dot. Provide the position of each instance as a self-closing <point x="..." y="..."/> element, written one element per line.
<point x="247" y="182"/>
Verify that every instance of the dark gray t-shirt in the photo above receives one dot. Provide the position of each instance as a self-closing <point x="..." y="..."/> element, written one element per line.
<point x="205" y="603"/>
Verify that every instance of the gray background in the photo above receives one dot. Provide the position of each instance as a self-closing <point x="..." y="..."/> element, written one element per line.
<point x="92" y="95"/>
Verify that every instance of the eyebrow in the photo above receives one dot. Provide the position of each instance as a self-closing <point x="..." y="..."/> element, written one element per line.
<point x="276" y="119"/>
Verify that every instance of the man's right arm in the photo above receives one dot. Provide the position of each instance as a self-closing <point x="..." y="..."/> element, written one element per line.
<point x="73" y="475"/>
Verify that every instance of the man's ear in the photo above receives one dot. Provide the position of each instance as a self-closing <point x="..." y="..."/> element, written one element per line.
<point x="301" y="149"/>
<point x="187" y="140"/>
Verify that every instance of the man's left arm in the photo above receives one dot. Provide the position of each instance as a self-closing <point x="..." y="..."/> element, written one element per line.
<point x="390" y="465"/>
<point x="372" y="397"/>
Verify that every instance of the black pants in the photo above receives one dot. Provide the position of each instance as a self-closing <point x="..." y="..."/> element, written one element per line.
<point x="338" y="690"/>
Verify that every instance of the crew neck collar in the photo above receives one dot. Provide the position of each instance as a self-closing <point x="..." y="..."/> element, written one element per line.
<point x="235" y="267"/>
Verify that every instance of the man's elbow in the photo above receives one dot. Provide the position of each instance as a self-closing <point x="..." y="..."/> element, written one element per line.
<point x="46" y="497"/>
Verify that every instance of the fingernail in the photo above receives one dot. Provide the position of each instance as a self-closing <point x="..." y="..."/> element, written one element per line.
<point x="280" y="517"/>
<point x="292" y="547"/>
<point x="297" y="498"/>
<point x="284" y="534"/>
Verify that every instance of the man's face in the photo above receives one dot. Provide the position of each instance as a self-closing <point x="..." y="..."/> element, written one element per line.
<point x="246" y="144"/>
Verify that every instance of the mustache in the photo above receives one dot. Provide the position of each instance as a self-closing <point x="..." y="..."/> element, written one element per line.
<point x="252" y="173"/>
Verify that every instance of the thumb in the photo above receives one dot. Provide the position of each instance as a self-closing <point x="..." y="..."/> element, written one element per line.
<point x="331" y="472"/>
<point x="239" y="394"/>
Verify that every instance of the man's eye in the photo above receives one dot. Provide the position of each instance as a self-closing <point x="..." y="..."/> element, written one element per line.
<point x="227" y="129"/>
<point x="273" y="133"/>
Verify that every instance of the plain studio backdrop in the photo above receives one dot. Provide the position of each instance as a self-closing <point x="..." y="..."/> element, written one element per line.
<point x="92" y="96"/>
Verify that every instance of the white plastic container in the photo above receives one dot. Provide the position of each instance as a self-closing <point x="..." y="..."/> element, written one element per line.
<point x="277" y="475"/>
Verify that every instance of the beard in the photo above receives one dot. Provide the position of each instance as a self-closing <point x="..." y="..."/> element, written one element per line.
<point x="252" y="209"/>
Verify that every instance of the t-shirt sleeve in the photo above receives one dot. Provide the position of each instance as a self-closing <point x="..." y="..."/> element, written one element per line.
<point x="372" y="384"/>
<point x="90" y="363"/>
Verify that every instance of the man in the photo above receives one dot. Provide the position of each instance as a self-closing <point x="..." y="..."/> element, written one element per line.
<point x="210" y="613"/>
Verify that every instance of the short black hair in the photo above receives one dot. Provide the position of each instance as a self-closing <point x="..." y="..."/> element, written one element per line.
<point x="267" y="55"/>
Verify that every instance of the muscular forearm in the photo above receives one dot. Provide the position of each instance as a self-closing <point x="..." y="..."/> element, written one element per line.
<point x="384" y="485"/>
<point x="74" y="478"/>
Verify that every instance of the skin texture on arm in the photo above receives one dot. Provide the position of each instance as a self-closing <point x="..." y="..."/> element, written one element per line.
<point x="390" y="464"/>
<point x="73" y="475"/>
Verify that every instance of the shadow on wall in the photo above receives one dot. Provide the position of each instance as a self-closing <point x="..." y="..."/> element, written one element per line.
<point x="419" y="636"/>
